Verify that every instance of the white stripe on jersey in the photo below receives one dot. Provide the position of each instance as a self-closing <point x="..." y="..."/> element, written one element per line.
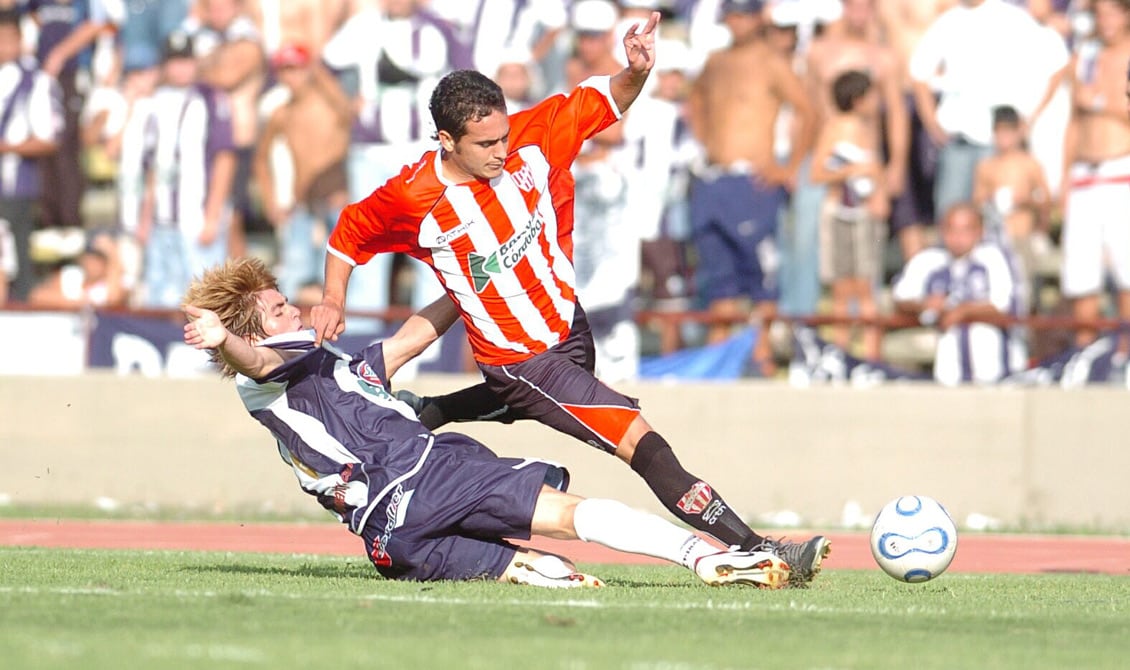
<point x="556" y="264"/>
<point x="453" y="278"/>
<point x="507" y="284"/>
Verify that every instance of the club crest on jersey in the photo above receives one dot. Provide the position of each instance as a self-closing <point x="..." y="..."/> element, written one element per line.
<point x="524" y="178"/>
<point x="697" y="497"/>
<point x="507" y="256"/>
<point x="369" y="381"/>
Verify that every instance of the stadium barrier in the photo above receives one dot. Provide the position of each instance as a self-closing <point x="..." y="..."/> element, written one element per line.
<point x="1024" y="457"/>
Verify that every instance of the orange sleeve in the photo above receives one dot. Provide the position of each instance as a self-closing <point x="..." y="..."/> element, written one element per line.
<point x="387" y="220"/>
<point x="560" y="124"/>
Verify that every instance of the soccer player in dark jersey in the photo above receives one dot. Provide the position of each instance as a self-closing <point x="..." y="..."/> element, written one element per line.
<point x="428" y="506"/>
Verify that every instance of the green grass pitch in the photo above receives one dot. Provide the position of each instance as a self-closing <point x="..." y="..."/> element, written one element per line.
<point x="128" y="609"/>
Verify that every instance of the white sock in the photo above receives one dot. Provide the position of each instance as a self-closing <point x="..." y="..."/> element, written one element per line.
<point x="615" y="525"/>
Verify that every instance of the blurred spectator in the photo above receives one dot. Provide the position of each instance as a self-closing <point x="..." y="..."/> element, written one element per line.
<point x="848" y="159"/>
<point x="659" y="189"/>
<point x="31" y="120"/>
<point x="737" y="194"/>
<point x="902" y="24"/>
<point x="1096" y="229"/>
<point x="515" y="77"/>
<point x="496" y="28"/>
<point x="191" y="164"/>
<point x="1013" y="194"/>
<point x="976" y="55"/>
<point x="606" y="238"/>
<point x="142" y="33"/>
<point x="229" y="48"/>
<point x="9" y="263"/>
<point x="1047" y="124"/>
<point x="94" y="279"/>
<point x="67" y="29"/>
<point x="314" y="125"/>
<point x="307" y="22"/>
<point x="389" y="61"/>
<point x="964" y="288"/>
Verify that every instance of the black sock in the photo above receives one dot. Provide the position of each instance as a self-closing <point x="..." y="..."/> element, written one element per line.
<point x="688" y="497"/>
<point x="474" y="403"/>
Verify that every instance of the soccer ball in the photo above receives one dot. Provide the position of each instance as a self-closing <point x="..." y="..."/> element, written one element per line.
<point x="913" y="539"/>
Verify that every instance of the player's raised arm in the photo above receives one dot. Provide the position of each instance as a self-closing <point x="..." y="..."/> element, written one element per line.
<point x="639" y="45"/>
<point x="417" y="333"/>
<point x="204" y="330"/>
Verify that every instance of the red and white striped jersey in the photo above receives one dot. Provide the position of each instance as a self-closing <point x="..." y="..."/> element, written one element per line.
<point x="502" y="248"/>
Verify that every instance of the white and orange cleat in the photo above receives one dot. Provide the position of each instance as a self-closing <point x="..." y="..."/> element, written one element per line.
<point x="762" y="569"/>
<point x="550" y="572"/>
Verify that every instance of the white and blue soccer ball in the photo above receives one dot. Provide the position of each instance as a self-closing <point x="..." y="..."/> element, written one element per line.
<point x="913" y="539"/>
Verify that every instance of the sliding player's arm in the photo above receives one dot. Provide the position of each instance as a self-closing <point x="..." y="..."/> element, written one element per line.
<point x="417" y="333"/>
<point x="205" y="331"/>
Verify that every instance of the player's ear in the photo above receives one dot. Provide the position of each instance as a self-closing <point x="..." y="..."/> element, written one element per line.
<point x="446" y="141"/>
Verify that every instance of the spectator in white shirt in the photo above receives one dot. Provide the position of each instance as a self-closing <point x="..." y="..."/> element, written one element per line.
<point x="976" y="56"/>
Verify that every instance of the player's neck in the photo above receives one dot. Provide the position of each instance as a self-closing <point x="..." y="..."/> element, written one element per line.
<point x="451" y="172"/>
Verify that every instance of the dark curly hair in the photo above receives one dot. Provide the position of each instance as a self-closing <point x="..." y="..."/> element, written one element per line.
<point x="464" y="96"/>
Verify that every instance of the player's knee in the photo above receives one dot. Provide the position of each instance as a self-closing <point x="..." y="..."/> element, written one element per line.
<point x="553" y="514"/>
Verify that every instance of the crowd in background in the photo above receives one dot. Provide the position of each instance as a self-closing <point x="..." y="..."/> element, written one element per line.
<point x="788" y="157"/>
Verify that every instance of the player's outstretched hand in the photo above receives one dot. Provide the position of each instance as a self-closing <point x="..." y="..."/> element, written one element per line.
<point x="203" y="330"/>
<point x="328" y="320"/>
<point x="639" y="45"/>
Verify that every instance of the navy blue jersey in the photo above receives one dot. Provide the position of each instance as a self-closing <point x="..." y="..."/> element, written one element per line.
<point x="349" y="441"/>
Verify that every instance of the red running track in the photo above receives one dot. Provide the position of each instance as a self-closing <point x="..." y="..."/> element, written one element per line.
<point x="1028" y="554"/>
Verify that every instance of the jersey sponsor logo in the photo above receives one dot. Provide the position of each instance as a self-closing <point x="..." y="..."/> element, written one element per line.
<point x="380" y="545"/>
<point x="508" y="255"/>
<point x="697" y="497"/>
<point x="458" y="231"/>
<point x="524" y="178"/>
<point x="714" y="511"/>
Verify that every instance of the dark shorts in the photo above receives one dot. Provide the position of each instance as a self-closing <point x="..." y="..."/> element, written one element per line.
<point x="557" y="388"/>
<point x="734" y="229"/>
<point x="915" y="205"/>
<point x="449" y="520"/>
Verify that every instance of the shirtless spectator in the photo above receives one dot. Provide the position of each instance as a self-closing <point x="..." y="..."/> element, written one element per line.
<point x="852" y="44"/>
<point x="847" y="158"/>
<point x="1011" y="190"/>
<point x="737" y="194"/>
<point x="229" y="47"/>
<point x="1096" y="228"/>
<point x="314" y="125"/>
<point x="307" y="22"/>
<point x="902" y="23"/>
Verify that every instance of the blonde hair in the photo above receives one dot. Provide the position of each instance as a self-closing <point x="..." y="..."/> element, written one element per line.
<point x="230" y="290"/>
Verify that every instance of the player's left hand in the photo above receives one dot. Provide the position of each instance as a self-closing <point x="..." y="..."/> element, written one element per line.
<point x="204" y="329"/>
<point x="639" y="45"/>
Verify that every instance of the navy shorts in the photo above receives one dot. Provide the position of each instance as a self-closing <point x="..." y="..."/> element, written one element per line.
<point x="558" y="388"/>
<point x="449" y="520"/>
<point x="734" y="225"/>
<point x="915" y="205"/>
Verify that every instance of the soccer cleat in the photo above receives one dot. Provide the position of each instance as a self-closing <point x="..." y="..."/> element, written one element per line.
<point x="551" y="572"/>
<point x="804" y="558"/>
<point x="762" y="569"/>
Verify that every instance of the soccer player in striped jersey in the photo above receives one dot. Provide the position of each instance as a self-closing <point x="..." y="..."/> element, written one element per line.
<point x="491" y="211"/>
<point x="429" y="507"/>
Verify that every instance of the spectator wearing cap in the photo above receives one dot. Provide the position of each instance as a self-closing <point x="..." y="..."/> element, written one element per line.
<point x="67" y="29"/>
<point x="314" y="126"/>
<point x="190" y="166"/>
<point x="31" y="120"/>
<point x="741" y="186"/>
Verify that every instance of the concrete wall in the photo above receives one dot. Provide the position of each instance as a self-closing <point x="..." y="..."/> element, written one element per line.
<point x="1041" y="457"/>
